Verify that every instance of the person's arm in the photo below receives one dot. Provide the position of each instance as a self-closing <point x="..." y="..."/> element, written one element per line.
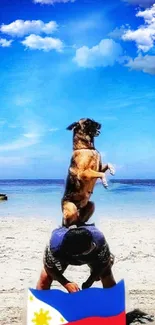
<point x="68" y="285"/>
<point x="53" y="267"/>
<point x="54" y="272"/>
<point x="101" y="264"/>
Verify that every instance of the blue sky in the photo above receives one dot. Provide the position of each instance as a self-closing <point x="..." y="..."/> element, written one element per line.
<point x="63" y="60"/>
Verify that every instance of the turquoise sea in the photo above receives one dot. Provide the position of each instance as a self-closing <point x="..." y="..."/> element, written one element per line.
<point x="41" y="198"/>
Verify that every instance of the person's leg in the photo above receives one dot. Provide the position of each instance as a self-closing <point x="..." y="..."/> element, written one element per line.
<point x="45" y="281"/>
<point x="108" y="281"/>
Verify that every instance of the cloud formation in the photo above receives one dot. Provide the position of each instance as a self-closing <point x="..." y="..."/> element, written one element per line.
<point x="53" y="130"/>
<point x="106" y="53"/>
<point x="36" y="42"/>
<point x="117" y="33"/>
<point x="31" y="135"/>
<point x="142" y="3"/>
<point x="19" y="144"/>
<point x="20" y="27"/>
<point x="144" y="35"/>
<point x="51" y="2"/>
<point x="33" y="132"/>
<point x="143" y="63"/>
<point x="5" y="43"/>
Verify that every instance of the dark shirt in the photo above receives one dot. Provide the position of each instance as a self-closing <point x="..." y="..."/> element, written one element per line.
<point x="55" y="256"/>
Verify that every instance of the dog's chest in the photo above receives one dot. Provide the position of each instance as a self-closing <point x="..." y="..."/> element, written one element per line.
<point x="87" y="158"/>
<point x="94" y="161"/>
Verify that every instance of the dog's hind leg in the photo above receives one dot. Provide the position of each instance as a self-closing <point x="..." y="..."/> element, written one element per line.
<point x="70" y="214"/>
<point x="87" y="211"/>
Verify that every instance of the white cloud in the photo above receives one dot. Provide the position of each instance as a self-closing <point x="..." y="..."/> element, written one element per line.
<point x="51" y="2"/>
<point x="30" y="135"/>
<point x="144" y="36"/>
<point x="142" y="3"/>
<point x="25" y="140"/>
<point x="5" y="43"/>
<point x="35" y="42"/>
<point x="143" y="63"/>
<point x="118" y="32"/>
<point x="53" y="129"/>
<point x="148" y="15"/>
<point x="33" y="130"/>
<point x="20" y="27"/>
<point x="19" y="144"/>
<point x="106" y="53"/>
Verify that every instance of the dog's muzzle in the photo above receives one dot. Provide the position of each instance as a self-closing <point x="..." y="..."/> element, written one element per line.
<point x="97" y="131"/>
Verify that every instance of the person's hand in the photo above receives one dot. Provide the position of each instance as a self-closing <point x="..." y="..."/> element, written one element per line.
<point x="88" y="283"/>
<point x="71" y="287"/>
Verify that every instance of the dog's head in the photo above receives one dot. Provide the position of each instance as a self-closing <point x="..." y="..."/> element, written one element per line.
<point x="86" y="126"/>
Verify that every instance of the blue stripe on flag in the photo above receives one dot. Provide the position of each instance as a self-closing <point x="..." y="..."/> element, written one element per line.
<point x="85" y="303"/>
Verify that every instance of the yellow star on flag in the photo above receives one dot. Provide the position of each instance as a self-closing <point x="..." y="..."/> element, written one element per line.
<point x="41" y="313"/>
<point x="62" y="320"/>
<point x="41" y="318"/>
<point x="31" y="298"/>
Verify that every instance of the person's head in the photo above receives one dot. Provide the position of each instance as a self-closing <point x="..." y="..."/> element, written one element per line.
<point x="78" y="241"/>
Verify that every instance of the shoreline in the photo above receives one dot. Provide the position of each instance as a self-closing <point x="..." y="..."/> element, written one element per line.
<point x="22" y="245"/>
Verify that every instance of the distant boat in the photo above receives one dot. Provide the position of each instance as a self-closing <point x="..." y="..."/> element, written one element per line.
<point x="3" y="197"/>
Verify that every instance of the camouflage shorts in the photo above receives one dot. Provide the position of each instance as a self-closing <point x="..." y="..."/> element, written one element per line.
<point x="104" y="268"/>
<point x="49" y="260"/>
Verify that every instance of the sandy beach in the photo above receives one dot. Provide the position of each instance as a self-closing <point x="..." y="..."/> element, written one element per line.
<point x="21" y="251"/>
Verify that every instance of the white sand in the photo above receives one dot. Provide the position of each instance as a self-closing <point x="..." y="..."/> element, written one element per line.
<point x="21" y="251"/>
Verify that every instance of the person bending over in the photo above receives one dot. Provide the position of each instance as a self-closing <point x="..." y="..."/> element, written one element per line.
<point x="76" y="246"/>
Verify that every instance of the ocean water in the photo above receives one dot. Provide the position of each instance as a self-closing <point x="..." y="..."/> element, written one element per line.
<point x="41" y="198"/>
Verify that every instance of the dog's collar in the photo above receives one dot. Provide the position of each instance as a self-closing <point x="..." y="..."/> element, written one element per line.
<point x="92" y="148"/>
<point x="89" y="143"/>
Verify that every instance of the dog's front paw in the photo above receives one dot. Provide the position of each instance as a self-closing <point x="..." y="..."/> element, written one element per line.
<point x="104" y="182"/>
<point x="111" y="169"/>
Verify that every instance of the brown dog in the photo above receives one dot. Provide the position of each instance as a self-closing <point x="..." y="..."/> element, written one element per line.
<point x="85" y="168"/>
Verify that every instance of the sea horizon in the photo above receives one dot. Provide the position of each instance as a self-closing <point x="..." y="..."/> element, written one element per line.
<point x="41" y="198"/>
<point x="113" y="180"/>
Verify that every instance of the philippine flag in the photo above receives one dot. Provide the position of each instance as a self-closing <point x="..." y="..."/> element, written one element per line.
<point x="93" y="306"/>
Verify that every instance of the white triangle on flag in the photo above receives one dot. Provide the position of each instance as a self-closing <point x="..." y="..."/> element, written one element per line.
<point x="40" y="313"/>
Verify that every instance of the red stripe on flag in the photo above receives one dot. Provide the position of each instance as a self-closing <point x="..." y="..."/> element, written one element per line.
<point x="114" y="320"/>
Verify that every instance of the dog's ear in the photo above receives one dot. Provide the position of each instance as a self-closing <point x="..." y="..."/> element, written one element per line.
<point x="72" y="126"/>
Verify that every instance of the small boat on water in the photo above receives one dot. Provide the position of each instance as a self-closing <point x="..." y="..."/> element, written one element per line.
<point x="3" y="197"/>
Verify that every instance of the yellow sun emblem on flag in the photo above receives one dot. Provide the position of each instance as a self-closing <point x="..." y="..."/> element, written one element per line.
<point x="41" y="318"/>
